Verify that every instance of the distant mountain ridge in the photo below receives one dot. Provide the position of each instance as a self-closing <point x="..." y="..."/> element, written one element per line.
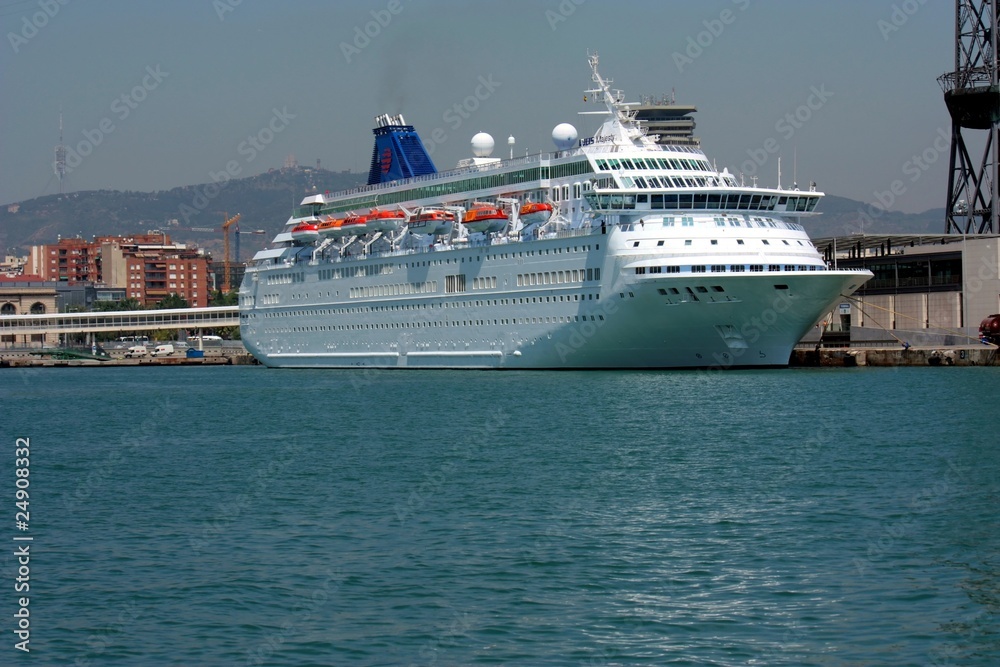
<point x="844" y="217"/>
<point x="266" y="200"/>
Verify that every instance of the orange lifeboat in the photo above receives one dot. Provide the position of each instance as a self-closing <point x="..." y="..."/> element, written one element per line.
<point x="355" y="225"/>
<point x="533" y="212"/>
<point x="430" y="221"/>
<point x="331" y="227"/>
<point x="484" y="218"/>
<point x="306" y="232"/>
<point x="385" y="221"/>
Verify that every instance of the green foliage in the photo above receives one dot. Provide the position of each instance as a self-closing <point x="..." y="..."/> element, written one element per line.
<point x="229" y="333"/>
<point x="172" y="301"/>
<point x="125" y="304"/>
<point x="217" y="298"/>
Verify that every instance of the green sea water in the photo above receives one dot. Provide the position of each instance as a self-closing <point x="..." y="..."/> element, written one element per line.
<point x="244" y="516"/>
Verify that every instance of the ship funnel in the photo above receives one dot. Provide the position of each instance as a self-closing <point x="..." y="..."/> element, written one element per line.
<point x="398" y="151"/>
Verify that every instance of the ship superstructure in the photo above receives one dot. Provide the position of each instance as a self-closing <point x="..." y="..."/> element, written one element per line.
<point x="612" y="252"/>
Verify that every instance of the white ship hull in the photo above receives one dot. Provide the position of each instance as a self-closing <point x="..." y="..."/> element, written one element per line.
<point x="654" y="260"/>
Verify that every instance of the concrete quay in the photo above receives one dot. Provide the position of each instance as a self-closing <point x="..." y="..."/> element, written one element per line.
<point x="802" y="356"/>
<point x="839" y="357"/>
<point x="228" y="356"/>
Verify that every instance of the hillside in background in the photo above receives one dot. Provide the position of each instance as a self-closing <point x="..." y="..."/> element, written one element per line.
<point x="266" y="200"/>
<point x="843" y="217"/>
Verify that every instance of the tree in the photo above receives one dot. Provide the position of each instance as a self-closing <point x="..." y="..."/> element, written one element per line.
<point x="229" y="333"/>
<point x="124" y="304"/>
<point x="173" y="301"/>
<point x="218" y="298"/>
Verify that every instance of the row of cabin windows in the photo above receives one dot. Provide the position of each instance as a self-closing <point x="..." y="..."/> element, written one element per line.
<point x="285" y="278"/>
<point x="720" y="221"/>
<point x="317" y="312"/>
<point x="457" y="283"/>
<point x="485" y="282"/>
<point x="558" y="277"/>
<point x="732" y="201"/>
<point x="723" y="268"/>
<point x="385" y="269"/>
<point x="399" y="289"/>
<point x="699" y="288"/>
<point x="685" y="201"/>
<point x="687" y="242"/>
<point x="551" y="319"/>
<point x="653" y="163"/>
<point x="662" y="182"/>
<point x="340" y="311"/>
<point x="732" y="221"/>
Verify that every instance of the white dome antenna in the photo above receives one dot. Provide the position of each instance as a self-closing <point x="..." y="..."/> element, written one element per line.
<point x="482" y="145"/>
<point x="564" y="136"/>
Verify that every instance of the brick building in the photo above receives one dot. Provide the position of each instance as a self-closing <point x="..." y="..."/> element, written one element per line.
<point x="69" y="260"/>
<point x="148" y="267"/>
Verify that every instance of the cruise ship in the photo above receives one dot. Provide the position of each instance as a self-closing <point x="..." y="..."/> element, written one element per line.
<point x="613" y="251"/>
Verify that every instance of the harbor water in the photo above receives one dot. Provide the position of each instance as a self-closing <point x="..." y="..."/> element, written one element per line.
<point x="245" y="516"/>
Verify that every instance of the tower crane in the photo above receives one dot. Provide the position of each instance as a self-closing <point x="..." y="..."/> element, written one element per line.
<point x="227" y="270"/>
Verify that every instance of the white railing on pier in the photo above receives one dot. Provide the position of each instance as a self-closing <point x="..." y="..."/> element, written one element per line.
<point x="120" y="320"/>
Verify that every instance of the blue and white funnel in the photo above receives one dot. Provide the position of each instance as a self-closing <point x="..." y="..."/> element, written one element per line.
<point x="398" y="151"/>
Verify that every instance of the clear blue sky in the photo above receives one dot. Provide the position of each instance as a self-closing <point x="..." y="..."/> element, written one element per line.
<point x="169" y="92"/>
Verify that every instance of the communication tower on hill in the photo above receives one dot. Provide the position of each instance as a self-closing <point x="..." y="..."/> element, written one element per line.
<point x="60" y="164"/>
<point x="972" y="94"/>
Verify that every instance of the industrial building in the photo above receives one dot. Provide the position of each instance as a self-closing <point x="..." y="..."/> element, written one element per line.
<point x="927" y="289"/>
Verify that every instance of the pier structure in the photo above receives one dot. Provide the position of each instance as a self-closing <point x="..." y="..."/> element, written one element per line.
<point x="927" y="289"/>
<point x="972" y="95"/>
<point x="28" y="329"/>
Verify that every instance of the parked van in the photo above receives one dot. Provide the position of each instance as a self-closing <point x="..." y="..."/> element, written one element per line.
<point x="136" y="351"/>
<point x="163" y="350"/>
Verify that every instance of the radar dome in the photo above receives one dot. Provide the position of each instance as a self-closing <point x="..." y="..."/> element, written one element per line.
<point x="564" y="136"/>
<point x="482" y="145"/>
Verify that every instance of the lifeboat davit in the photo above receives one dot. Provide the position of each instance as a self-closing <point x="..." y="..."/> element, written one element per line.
<point x="385" y="221"/>
<point x="355" y="225"/>
<point x="533" y="212"/>
<point x="484" y="218"/>
<point x="431" y="221"/>
<point x="305" y="232"/>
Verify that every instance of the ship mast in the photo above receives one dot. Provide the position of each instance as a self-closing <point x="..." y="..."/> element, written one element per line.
<point x="622" y="117"/>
